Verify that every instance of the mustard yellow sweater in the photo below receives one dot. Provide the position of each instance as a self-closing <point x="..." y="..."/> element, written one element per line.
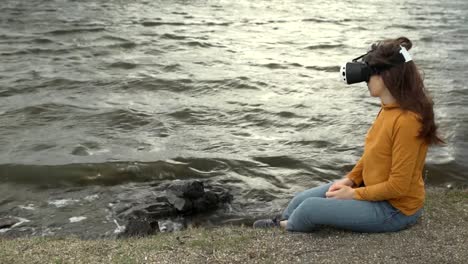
<point x="391" y="166"/>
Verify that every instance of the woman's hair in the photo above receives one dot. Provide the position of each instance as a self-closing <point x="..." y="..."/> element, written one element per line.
<point x="405" y="83"/>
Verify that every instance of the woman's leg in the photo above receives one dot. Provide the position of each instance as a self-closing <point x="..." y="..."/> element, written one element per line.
<point x="300" y="197"/>
<point x="355" y="215"/>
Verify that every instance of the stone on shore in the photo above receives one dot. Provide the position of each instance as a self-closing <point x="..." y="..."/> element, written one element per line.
<point x="8" y="222"/>
<point x="168" y="210"/>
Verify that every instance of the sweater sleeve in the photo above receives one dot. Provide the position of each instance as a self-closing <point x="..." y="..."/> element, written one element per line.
<point x="355" y="174"/>
<point x="405" y="150"/>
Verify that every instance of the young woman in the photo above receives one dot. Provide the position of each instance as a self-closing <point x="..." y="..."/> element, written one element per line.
<point x="384" y="192"/>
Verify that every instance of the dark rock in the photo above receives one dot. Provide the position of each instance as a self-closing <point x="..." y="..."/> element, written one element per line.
<point x="160" y="209"/>
<point x="180" y="199"/>
<point x="80" y="151"/>
<point x="170" y="225"/>
<point x="121" y="207"/>
<point x="208" y="202"/>
<point x="181" y="204"/>
<point x="7" y="222"/>
<point x="190" y="190"/>
<point x="139" y="227"/>
<point x="150" y="211"/>
<point x="223" y="195"/>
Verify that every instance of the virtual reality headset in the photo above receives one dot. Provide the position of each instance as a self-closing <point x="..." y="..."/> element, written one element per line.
<point x="358" y="70"/>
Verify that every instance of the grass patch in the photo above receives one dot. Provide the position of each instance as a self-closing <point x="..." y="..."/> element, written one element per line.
<point x="439" y="237"/>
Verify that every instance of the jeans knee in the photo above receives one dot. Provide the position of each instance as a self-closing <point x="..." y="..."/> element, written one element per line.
<point x="309" y="204"/>
<point x="303" y="218"/>
<point x="299" y="198"/>
<point x="312" y="201"/>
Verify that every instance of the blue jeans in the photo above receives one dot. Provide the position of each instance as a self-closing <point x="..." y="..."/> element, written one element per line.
<point x="310" y="209"/>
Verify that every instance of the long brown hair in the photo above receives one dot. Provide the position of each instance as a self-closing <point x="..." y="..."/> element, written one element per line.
<point x="405" y="83"/>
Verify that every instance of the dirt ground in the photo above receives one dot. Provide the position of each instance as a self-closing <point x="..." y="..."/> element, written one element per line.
<point x="440" y="236"/>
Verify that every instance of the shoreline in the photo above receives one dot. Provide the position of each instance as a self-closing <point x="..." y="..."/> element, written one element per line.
<point x="440" y="236"/>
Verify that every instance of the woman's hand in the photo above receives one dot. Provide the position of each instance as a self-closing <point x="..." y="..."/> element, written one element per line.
<point x="345" y="181"/>
<point x="341" y="191"/>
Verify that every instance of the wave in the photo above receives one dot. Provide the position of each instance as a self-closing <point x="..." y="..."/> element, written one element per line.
<point x="401" y="26"/>
<point x="173" y="36"/>
<point x="113" y="38"/>
<point x="324" y="20"/>
<point x="47" y="107"/>
<point x="201" y="44"/>
<point x="43" y="41"/>
<point x="287" y="114"/>
<point x="37" y="51"/>
<point x="64" y="51"/>
<point x="42" y="114"/>
<point x="324" y="68"/>
<point x="123" y="65"/>
<point x="161" y="23"/>
<point x="194" y="86"/>
<point x="125" y="45"/>
<point x="237" y="83"/>
<point x="74" y="30"/>
<point x="260" y="117"/>
<point x="155" y="84"/>
<point x="116" y="173"/>
<point x="204" y="116"/>
<point x="172" y="67"/>
<point x="324" y="46"/>
<point x="247" y="116"/>
<point x="48" y="83"/>
<point x="270" y="22"/>
<point x="279" y="66"/>
<point x="281" y="161"/>
<point x="313" y="143"/>
<point x="427" y="39"/>
<point x="273" y="66"/>
<point x="63" y="83"/>
<point x="111" y="173"/>
<point x="118" y="42"/>
<point x="121" y="119"/>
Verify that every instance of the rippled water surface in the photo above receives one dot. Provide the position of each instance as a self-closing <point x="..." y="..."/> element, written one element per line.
<point x="99" y="99"/>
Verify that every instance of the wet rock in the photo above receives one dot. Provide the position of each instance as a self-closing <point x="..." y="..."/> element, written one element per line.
<point x="209" y="201"/>
<point x="139" y="227"/>
<point x="160" y="209"/>
<point x="167" y="211"/>
<point x="149" y="212"/>
<point x="179" y="203"/>
<point x="171" y="225"/>
<point x="8" y="222"/>
<point x="80" y="151"/>
<point x="191" y="189"/>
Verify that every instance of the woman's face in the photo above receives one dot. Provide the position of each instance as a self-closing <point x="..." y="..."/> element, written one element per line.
<point x="376" y="86"/>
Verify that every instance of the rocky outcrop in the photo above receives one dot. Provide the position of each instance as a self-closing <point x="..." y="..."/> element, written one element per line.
<point x="8" y="222"/>
<point x="170" y="208"/>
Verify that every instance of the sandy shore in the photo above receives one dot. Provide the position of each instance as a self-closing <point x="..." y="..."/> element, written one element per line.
<point x="440" y="236"/>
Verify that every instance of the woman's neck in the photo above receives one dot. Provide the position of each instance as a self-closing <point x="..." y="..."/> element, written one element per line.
<point x="387" y="98"/>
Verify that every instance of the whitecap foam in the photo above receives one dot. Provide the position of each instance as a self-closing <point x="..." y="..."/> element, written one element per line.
<point x="91" y="198"/>
<point x="27" y="207"/>
<point x="119" y="228"/>
<point x="170" y="161"/>
<point x="21" y="221"/>
<point x="62" y="202"/>
<point x="76" y="219"/>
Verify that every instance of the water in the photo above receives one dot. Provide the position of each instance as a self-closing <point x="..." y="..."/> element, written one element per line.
<point x="101" y="99"/>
